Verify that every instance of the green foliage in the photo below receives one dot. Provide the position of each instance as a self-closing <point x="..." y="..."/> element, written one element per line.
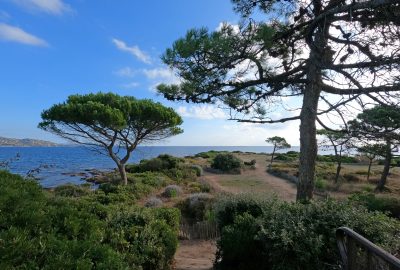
<point x="196" y="206"/>
<point x="39" y="231"/>
<point x="172" y="191"/>
<point x="107" y="120"/>
<point x="373" y="202"/>
<point x="158" y="164"/>
<point x="285" y="157"/>
<point x="321" y="184"/>
<point x="333" y="158"/>
<point x="210" y="154"/>
<point x="278" y="142"/>
<point x="226" y="163"/>
<point x="272" y="234"/>
<point x="70" y="190"/>
<point x="198" y="169"/>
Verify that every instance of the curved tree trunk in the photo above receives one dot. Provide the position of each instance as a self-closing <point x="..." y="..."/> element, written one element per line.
<point x="273" y="155"/>
<point x="122" y="173"/>
<point x="386" y="168"/>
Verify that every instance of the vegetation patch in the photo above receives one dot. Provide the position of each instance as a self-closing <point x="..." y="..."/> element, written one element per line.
<point x="41" y="230"/>
<point x="227" y="163"/>
<point x="272" y="234"/>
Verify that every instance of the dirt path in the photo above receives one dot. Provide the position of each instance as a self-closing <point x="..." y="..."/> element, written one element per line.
<point x="253" y="181"/>
<point x="195" y="255"/>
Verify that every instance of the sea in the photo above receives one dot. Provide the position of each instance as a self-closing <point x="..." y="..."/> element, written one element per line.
<point x="53" y="166"/>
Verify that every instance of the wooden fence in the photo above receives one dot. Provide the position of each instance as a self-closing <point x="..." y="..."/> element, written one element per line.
<point x="203" y="230"/>
<point x="359" y="253"/>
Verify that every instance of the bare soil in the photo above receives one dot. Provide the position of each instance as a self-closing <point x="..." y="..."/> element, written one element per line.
<point x="252" y="180"/>
<point x="195" y="255"/>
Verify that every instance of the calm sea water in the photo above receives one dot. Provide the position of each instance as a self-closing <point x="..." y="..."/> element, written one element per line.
<point x="59" y="162"/>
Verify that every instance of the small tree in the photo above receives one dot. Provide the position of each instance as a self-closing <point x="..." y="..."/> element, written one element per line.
<point x="109" y="123"/>
<point x="381" y="124"/>
<point x="371" y="151"/>
<point x="278" y="143"/>
<point x="340" y="142"/>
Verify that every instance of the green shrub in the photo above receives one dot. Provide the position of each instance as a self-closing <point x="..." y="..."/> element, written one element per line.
<point x="70" y="190"/>
<point x="321" y="183"/>
<point x="196" y="206"/>
<point x="332" y="158"/>
<point x="390" y="205"/>
<point x="38" y="231"/>
<point x="172" y="191"/>
<point x="285" y="157"/>
<point x="294" y="235"/>
<point x="250" y="163"/>
<point x="226" y="163"/>
<point x="198" y="169"/>
<point x="158" y="164"/>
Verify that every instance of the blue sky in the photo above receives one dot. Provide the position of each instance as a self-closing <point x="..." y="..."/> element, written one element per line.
<point x="50" y="49"/>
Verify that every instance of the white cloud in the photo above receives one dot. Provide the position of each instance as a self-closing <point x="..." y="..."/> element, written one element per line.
<point x="54" y="7"/>
<point x="133" y="50"/>
<point x="256" y="134"/>
<point x="131" y="85"/>
<point x="205" y="112"/>
<point x="126" y="72"/>
<point x="156" y="73"/>
<point x="16" y="34"/>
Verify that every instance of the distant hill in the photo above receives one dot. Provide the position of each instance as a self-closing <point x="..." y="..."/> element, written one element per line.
<point x="25" y="142"/>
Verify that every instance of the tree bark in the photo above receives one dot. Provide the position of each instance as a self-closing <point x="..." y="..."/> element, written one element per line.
<point x="273" y="154"/>
<point x="338" y="156"/>
<point x="338" y="169"/>
<point x="122" y="173"/>
<point x="386" y="168"/>
<point x="369" y="168"/>
<point x="308" y="133"/>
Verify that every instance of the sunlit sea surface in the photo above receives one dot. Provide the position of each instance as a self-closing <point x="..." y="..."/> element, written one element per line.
<point x="58" y="163"/>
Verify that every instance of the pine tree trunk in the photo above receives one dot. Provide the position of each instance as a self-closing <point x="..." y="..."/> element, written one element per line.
<point x="386" y="168"/>
<point x="308" y="144"/>
<point x="122" y="173"/>
<point x="369" y="169"/>
<point x="273" y="155"/>
<point x="338" y="169"/>
<point x="308" y="115"/>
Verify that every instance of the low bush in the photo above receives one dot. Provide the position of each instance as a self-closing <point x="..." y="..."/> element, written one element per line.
<point x="272" y="234"/>
<point x="250" y="163"/>
<point x="153" y="202"/>
<point x="198" y="169"/>
<point x="332" y="158"/>
<point x="38" y="231"/>
<point x="227" y="163"/>
<point x="321" y="184"/>
<point x="372" y="202"/>
<point x="158" y="164"/>
<point x="172" y="191"/>
<point x="285" y="157"/>
<point x="70" y="190"/>
<point x="196" y="206"/>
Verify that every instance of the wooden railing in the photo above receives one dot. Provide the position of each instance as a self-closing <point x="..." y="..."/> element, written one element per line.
<point x="200" y="230"/>
<point x="359" y="253"/>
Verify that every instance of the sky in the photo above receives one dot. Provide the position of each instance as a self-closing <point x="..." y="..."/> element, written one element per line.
<point x="50" y="49"/>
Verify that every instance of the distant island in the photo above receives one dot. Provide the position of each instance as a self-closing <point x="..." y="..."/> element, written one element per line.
<point x="24" y="142"/>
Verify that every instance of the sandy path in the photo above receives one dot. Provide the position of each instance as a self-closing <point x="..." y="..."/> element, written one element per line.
<point x="270" y="184"/>
<point x="195" y="255"/>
